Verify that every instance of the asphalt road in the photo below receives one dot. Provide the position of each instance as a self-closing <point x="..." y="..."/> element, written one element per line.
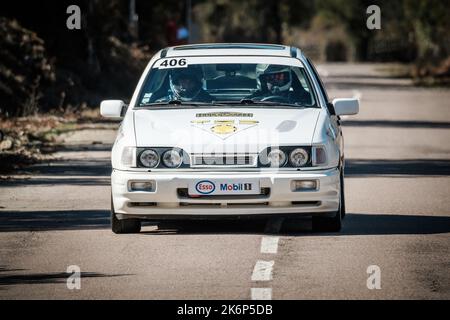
<point x="398" y="218"/>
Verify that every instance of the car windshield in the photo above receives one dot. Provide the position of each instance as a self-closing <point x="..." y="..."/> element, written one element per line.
<point x="176" y="82"/>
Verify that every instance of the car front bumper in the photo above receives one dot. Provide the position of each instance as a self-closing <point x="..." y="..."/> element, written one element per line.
<point x="170" y="198"/>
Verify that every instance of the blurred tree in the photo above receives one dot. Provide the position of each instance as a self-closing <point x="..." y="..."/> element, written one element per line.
<point x="86" y="63"/>
<point x="253" y="20"/>
<point x="418" y="27"/>
<point x="25" y="71"/>
<point x="153" y="18"/>
<point x="429" y="21"/>
<point x="351" y="13"/>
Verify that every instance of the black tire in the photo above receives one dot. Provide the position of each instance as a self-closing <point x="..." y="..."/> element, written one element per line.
<point x="343" y="212"/>
<point x="331" y="224"/>
<point x="125" y="225"/>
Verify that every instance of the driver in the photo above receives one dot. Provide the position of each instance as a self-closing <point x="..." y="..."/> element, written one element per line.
<point x="274" y="81"/>
<point x="186" y="85"/>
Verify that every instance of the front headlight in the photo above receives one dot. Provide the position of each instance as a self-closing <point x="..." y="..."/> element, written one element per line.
<point x="172" y="158"/>
<point x="276" y="158"/>
<point x="149" y="158"/>
<point x="299" y="157"/>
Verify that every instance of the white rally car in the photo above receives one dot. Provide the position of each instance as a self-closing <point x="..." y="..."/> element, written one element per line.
<point x="228" y="130"/>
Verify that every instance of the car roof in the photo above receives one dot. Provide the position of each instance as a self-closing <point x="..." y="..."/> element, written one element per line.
<point x="232" y="49"/>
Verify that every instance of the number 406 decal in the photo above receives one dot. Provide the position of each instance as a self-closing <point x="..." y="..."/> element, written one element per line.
<point x="173" y="63"/>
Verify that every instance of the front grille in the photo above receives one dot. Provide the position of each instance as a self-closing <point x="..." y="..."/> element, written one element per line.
<point x="184" y="194"/>
<point x="229" y="204"/>
<point x="188" y="204"/>
<point x="306" y="203"/>
<point x="250" y="204"/>
<point x="142" y="204"/>
<point x="223" y="160"/>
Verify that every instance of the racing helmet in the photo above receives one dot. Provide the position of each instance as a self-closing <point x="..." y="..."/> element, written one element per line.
<point x="273" y="78"/>
<point x="186" y="83"/>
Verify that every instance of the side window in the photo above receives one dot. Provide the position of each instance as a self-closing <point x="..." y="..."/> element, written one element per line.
<point x="155" y="82"/>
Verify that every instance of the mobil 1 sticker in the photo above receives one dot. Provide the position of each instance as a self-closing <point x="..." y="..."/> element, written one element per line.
<point x="171" y="63"/>
<point x="212" y="187"/>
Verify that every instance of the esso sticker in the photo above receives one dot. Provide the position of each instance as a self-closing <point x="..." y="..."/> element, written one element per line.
<point x="173" y="63"/>
<point x="205" y="187"/>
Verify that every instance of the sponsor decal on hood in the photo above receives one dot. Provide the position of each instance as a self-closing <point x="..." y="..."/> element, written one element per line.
<point x="224" y="128"/>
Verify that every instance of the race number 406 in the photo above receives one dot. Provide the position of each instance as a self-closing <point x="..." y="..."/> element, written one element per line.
<point x="173" y="63"/>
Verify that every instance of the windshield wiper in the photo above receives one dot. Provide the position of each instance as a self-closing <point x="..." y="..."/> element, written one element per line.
<point x="264" y="103"/>
<point x="175" y="102"/>
<point x="222" y="103"/>
<point x="247" y="101"/>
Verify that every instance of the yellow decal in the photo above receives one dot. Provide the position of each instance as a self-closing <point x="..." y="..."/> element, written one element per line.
<point x="200" y="121"/>
<point x="223" y="129"/>
<point x="248" y="122"/>
<point x="224" y="122"/>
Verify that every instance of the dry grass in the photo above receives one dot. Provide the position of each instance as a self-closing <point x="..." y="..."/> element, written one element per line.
<point x="29" y="140"/>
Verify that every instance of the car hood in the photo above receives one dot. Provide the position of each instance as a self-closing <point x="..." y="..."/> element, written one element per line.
<point x="230" y="130"/>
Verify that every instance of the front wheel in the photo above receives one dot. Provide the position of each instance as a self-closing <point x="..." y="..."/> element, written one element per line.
<point x="342" y="195"/>
<point x="332" y="224"/>
<point x="124" y="225"/>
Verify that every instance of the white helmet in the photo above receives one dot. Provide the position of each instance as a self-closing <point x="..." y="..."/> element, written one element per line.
<point x="274" y="78"/>
<point x="185" y="83"/>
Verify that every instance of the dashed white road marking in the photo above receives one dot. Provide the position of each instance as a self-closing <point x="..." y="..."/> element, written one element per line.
<point x="263" y="270"/>
<point x="269" y="244"/>
<point x="261" y="294"/>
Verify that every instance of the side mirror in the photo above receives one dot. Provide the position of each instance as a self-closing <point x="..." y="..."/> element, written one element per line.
<point x="112" y="108"/>
<point x="346" y="106"/>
